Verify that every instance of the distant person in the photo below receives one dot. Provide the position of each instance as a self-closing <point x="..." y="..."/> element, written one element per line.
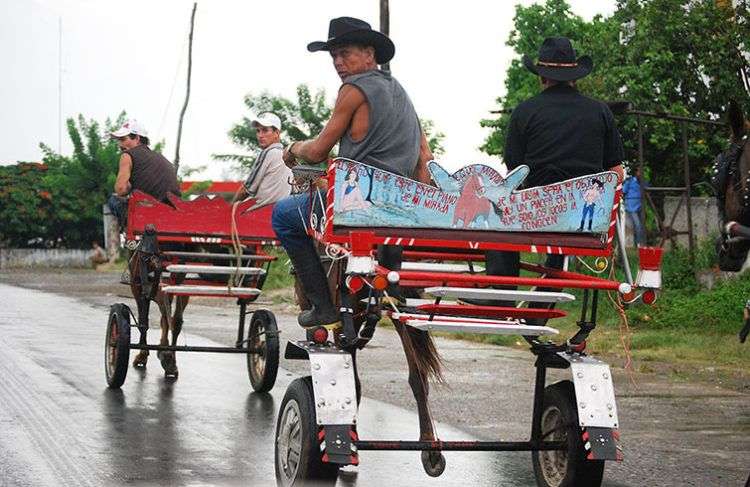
<point x="98" y="255"/>
<point x="140" y="169"/>
<point x="632" y="195"/>
<point x="269" y="179"/>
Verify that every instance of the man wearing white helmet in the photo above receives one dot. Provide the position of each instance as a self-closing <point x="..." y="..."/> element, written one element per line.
<point x="268" y="181"/>
<point x="140" y="169"/>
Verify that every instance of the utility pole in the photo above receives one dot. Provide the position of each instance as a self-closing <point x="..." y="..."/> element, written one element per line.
<point x="187" y="92"/>
<point x="385" y="27"/>
<point x="59" y="84"/>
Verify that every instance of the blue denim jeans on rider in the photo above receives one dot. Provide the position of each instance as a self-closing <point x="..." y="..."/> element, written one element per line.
<point x="634" y="218"/>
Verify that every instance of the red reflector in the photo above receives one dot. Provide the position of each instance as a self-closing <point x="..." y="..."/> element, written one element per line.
<point x="649" y="297"/>
<point x="356" y="283"/>
<point x="616" y="434"/>
<point x="578" y="348"/>
<point x="379" y="282"/>
<point x="585" y="436"/>
<point x="320" y="335"/>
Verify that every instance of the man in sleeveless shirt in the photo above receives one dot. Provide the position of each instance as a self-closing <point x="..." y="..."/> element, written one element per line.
<point x="140" y="169"/>
<point x="374" y="122"/>
<point x="268" y="181"/>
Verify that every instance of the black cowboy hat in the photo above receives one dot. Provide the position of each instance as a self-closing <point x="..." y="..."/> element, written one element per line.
<point x="347" y="30"/>
<point x="557" y="61"/>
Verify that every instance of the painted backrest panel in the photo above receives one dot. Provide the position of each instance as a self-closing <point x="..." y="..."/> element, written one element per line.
<point x="474" y="198"/>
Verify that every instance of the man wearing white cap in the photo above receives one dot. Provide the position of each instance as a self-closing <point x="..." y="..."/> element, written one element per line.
<point x="268" y="181"/>
<point x="140" y="168"/>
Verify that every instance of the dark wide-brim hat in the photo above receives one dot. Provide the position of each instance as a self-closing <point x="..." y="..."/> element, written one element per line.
<point x="557" y="61"/>
<point x="348" y="30"/>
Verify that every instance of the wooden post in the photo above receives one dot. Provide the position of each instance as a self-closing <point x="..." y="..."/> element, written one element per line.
<point x="385" y="27"/>
<point x="686" y="169"/>
<point x="187" y="93"/>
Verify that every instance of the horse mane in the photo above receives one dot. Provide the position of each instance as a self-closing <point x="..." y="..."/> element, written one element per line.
<point x="737" y="121"/>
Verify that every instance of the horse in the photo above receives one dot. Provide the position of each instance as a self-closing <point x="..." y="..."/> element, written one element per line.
<point x="145" y="267"/>
<point x="731" y="181"/>
<point x="472" y="204"/>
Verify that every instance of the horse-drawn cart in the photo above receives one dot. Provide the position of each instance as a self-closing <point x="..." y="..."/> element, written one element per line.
<point x="445" y="233"/>
<point x="204" y="247"/>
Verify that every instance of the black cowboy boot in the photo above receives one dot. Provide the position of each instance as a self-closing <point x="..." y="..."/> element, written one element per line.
<point x="310" y="273"/>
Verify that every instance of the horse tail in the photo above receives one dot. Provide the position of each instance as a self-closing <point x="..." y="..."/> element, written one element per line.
<point x="419" y="346"/>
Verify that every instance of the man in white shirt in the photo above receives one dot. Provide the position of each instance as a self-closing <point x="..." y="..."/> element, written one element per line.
<point x="269" y="178"/>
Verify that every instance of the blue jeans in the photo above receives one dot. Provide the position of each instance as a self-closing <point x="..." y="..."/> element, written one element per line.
<point x="119" y="207"/>
<point x="588" y="209"/>
<point x="290" y="219"/>
<point x="634" y="218"/>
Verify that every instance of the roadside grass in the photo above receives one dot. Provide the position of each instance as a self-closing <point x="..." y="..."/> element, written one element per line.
<point x="278" y="276"/>
<point x="689" y="331"/>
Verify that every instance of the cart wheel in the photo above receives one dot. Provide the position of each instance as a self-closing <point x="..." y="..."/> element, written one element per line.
<point x="297" y="458"/>
<point x="263" y="335"/>
<point x="569" y="467"/>
<point x="433" y="463"/>
<point x="117" y="345"/>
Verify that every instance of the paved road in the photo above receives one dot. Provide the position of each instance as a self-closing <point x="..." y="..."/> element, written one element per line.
<point x="59" y="425"/>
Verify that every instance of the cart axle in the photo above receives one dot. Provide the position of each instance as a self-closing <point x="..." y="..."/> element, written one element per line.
<point x="185" y="348"/>
<point x="459" y="445"/>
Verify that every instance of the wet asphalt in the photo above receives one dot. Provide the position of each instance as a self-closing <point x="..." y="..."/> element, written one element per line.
<point x="60" y="425"/>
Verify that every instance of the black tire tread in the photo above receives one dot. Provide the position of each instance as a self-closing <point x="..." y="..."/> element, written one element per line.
<point x="265" y="383"/>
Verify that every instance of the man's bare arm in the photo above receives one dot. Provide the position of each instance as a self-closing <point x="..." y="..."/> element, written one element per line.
<point x="317" y="149"/>
<point x="421" y="173"/>
<point x="122" y="183"/>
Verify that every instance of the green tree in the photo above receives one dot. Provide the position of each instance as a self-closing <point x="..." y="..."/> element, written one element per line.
<point x="672" y="56"/>
<point x="25" y="205"/>
<point x="80" y="183"/>
<point x="301" y="119"/>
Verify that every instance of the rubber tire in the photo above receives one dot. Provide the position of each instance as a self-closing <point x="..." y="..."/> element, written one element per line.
<point x="265" y="319"/>
<point x="119" y="319"/>
<point x="580" y="472"/>
<point x="311" y="469"/>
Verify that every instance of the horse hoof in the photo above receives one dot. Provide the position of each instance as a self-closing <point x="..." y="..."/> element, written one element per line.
<point x="139" y="362"/>
<point x="433" y="463"/>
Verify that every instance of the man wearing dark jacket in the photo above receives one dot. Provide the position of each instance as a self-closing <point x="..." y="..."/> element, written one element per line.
<point x="559" y="133"/>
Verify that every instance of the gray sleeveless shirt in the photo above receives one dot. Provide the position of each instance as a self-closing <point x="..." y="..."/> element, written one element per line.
<point x="393" y="134"/>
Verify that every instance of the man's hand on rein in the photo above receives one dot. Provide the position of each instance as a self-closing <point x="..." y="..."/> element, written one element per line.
<point x="289" y="158"/>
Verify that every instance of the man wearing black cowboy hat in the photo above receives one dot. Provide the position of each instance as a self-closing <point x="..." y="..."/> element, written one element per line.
<point x="374" y="122"/>
<point x="559" y="133"/>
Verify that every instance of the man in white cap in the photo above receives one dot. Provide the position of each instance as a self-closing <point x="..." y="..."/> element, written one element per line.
<point x="140" y="169"/>
<point x="268" y="181"/>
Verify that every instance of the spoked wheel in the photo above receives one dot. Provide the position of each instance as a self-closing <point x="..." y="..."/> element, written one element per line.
<point x="298" y="458"/>
<point x="263" y="335"/>
<point x="569" y="467"/>
<point x="117" y="345"/>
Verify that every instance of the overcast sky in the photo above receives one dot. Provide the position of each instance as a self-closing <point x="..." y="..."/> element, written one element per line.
<point x="132" y="55"/>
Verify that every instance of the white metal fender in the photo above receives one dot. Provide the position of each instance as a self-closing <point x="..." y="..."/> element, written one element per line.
<point x="595" y="393"/>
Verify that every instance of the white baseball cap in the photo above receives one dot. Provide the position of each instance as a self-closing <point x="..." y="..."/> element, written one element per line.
<point x="267" y="119"/>
<point x="131" y="126"/>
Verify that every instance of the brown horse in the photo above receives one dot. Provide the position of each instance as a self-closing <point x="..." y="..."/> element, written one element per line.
<point x="145" y="269"/>
<point x="732" y="183"/>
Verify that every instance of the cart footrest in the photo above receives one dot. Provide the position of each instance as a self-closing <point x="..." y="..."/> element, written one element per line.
<point x="214" y="269"/>
<point x="215" y="291"/>
<point x="472" y="325"/>
<point x="490" y="311"/>
<point x="499" y="294"/>
<point x="217" y="256"/>
<point x="439" y="267"/>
